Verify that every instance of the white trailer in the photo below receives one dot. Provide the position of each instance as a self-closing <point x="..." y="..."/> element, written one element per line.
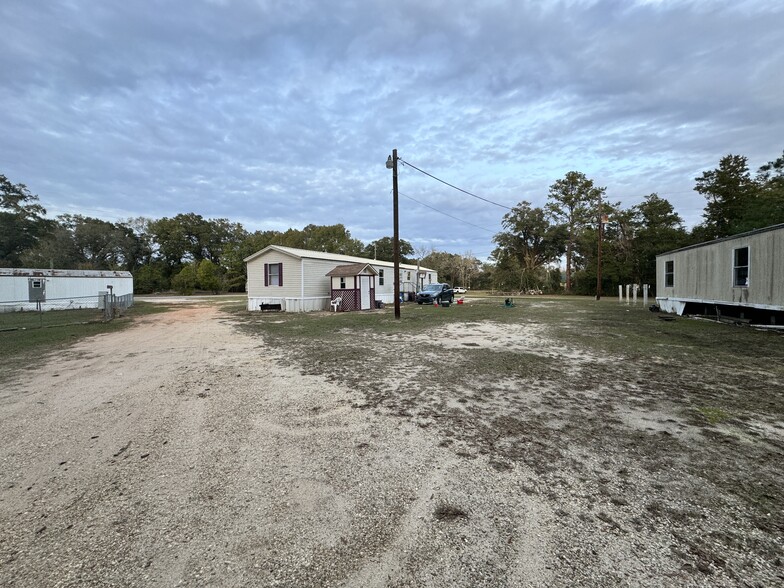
<point x="740" y="276"/>
<point x="56" y="289"/>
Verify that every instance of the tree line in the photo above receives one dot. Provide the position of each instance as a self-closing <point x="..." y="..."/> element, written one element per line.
<point x="534" y="239"/>
<point x="188" y="252"/>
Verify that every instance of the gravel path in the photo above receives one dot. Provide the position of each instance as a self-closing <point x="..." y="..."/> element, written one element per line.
<point x="180" y="452"/>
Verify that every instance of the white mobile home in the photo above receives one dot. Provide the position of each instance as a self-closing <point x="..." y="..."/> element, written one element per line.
<point x="740" y="276"/>
<point x="49" y="289"/>
<point x="299" y="280"/>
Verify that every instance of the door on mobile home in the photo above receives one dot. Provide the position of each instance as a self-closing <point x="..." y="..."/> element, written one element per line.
<point x="364" y="292"/>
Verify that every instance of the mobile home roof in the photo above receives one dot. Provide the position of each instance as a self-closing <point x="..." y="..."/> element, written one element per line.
<point x="62" y="273"/>
<point x="738" y="236"/>
<point x="306" y="253"/>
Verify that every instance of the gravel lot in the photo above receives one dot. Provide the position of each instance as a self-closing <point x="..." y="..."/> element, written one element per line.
<point x="185" y="452"/>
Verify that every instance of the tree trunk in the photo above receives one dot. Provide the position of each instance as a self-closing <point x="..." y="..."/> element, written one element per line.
<point x="569" y="261"/>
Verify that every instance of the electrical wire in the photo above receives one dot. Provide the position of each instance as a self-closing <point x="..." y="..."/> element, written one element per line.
<point x="411" y="165"/>
<point x="452" y="185"/>
<point x="446" y="213"/>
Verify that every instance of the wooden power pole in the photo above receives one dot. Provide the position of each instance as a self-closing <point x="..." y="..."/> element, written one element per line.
<point x="599" y="252"/>
<point x="392" y="163"/>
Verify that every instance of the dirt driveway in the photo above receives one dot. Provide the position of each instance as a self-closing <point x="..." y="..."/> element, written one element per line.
<point x="182" y="452"/>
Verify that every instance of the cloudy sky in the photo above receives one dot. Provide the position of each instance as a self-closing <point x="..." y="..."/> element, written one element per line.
<point x="282" y="113"/>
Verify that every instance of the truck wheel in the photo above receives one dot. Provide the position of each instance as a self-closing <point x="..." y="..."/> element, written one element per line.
<point x="419" y="302"/>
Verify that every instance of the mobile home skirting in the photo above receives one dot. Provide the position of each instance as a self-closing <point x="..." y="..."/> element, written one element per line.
<point x="309" y="304"/>
<point x="678" y="305"/>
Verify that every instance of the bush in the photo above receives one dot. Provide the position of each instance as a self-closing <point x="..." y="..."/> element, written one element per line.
<point x="185" y="281"/>
<point x="209" y="277"/>
<point x="149" y="278"/>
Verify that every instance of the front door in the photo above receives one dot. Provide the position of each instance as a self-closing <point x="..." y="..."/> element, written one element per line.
<point x="364" y="292"/>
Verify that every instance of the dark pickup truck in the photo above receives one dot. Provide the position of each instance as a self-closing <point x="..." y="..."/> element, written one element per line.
<point x="435" y="293"/>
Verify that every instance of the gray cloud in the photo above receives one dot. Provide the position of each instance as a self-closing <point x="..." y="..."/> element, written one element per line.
<point x="280" y="114"/>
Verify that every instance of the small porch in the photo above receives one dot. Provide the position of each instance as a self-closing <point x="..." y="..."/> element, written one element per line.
<point x="353" y="287"/>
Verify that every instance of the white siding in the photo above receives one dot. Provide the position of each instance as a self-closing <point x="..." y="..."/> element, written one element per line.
<point x="80" y="291"/>
<point x="255" y="283"/>
<point x="305" y="276"/>
<point x="14" y="288"/>
<point x="291" y="276"/>
<point x="705" y="273"/>
<point x="316" y="279"/>
<point x="386" y="293"/>
<point x="349" y="282"/>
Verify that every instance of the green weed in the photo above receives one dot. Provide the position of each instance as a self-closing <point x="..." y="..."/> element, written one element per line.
<point x="714" y="415"/>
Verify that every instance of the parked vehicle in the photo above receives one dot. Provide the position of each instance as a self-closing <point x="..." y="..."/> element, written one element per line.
<point x="460" y="290"/>
<point x="435" y="293"/>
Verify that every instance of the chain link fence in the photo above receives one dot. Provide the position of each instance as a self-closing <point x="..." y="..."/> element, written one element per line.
<point x="23" y="314"/>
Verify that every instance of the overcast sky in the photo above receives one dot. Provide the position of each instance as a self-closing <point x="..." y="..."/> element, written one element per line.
<point x="281" y="113"/>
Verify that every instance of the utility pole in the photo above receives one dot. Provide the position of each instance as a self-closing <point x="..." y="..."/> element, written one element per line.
<point x="599" y="252"/>
<point x="392" y="164"/>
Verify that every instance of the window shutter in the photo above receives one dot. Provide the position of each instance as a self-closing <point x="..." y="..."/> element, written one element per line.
<point x="266" y="275"/>
<point x="280" y="275"/>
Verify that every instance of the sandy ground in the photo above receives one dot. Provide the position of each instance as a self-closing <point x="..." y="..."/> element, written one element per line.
<point x="182" y="453"/>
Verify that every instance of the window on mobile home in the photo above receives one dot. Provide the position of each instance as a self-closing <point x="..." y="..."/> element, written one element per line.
<point x="669" y="274"/>
<point x="740" y="268"/>
<point x="273" y="274"/>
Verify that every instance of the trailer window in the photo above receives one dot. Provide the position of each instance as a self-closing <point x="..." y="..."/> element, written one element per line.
<point x="740" y="267"/>
<point x="669" y="274"/>
<point x="380" y="277"/>
<point x="273" y="274"/>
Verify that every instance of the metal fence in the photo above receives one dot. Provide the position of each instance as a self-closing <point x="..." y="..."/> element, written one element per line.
<point x="23" y="314"/>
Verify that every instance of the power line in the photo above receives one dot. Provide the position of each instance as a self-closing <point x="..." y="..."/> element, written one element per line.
<point x="446" y="213"/>
<point x="411" y="165"/>
<point x="401" y="160"/>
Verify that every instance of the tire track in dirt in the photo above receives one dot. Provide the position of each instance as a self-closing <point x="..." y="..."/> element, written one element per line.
<point x="181" y="452"/>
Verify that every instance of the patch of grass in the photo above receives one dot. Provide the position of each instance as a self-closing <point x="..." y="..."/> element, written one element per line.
<point x="39" y="334"/>
<point x="50" y="318"/>
<point x="333" y="326"/>
<point x="693" y="363"/>
<point x="472" y="364"/>
<point x="714" y="415"/>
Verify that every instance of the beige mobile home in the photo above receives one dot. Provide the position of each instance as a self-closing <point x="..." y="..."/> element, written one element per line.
<point x="298" y="280"/>
<point x="740" y="276"/>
